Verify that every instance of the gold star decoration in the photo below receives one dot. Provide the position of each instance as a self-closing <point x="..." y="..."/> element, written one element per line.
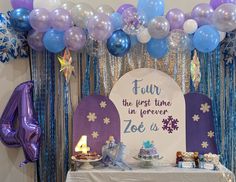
<point x="95" y="134"/>
<point x="211" y="134"/>
<point x="91" y="117"/>
<point x="103" y="104"/>
<point x="196" y="117"/>
<point x="66" y="65"/>
<point x="204" y="145"/>
<point x="106" y="120"/>
<point x="205" y="107"/>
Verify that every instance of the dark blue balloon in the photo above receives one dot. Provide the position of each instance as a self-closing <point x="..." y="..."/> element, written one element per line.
<point x="19" y="19"/>
<point x="157" y="48"/>
<point x="206" y="39"/>
<point x="53" y="41"/>
<point x="119" y="43"/>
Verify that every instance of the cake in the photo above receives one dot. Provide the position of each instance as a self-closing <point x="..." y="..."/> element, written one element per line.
<point x="88" y="156"/>
<point x="148" y="151"/>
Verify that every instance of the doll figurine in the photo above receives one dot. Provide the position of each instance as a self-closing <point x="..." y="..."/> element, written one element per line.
<point x="196" y="159"/>
<point x="179" y="157"/>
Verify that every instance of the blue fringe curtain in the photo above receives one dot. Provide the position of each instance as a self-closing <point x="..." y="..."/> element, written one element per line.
<point x="55" y="100"/>
<point x="218" y="70"/>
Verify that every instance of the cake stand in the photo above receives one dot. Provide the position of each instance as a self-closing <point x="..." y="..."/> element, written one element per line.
<point x="147" y="163"/>
<point x="85" y="163"/>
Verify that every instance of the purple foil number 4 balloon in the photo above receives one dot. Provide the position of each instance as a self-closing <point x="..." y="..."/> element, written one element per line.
<point x="27" y="133"/>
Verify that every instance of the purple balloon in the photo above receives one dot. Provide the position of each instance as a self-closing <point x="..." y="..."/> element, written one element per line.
<point x="124" y="7"/>
<point x="35" y="40"/>
<point x="216" y="3"/>
<point x="100" y="27"/>
<point x="60" y="19"/>
<point x="27" y="134"/>
<point x="203" y="14"/>
<point x="188" y="16"/>
<point x="75" y="38"/>
<point x="39" y="19"/>
<point x="27" y="4"/>
<point x="176" y="18"/>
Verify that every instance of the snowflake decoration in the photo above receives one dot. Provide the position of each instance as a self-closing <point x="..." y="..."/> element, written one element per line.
<point x="106" y="120"/>
<point x="196" y="117"/>
<point x="91" y="117"/>
<point x="95" y="134"/>
<point x="12" y="43"/>
<point x="204" y="145"/>
<point x="170" y="124"/>
<point x="211" y="134"/>
<point x="229" y="48"/>
<point x="103" y="104"/>
<point x="205" y="107"/>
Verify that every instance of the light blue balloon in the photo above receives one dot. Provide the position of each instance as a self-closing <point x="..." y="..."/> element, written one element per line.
<point x="157" y="48"/>
<point x="150" y="9"/>
<point x="117" y="21"/>
<point x="53" y="41"/>
<point x="134" y="40"/>
<point x="206" y="39"/>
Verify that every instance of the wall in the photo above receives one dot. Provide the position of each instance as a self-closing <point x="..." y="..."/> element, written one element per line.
<point x="16" y="72"/>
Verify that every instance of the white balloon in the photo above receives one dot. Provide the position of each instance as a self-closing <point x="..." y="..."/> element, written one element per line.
<point x="47" y="4"/>
<point x="222" y="35"/>
<point x="190" y="26"/>
<point x="143" y="36"/>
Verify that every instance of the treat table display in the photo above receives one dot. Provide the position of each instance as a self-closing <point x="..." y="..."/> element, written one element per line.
<point x="155" y="174"/>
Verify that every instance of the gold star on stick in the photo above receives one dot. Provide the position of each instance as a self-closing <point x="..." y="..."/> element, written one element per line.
<point x="66" y="65"/>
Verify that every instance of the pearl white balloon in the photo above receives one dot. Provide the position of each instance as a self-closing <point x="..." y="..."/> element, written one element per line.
<point x="81" y="13"/>
<point x="143" y="36"/>
<point x="68" y="5"/>
<point x="47" y="4"/>
<point x="106" y="9"/>
<point x="222" y="35"/>
<point x="190" y="26"/>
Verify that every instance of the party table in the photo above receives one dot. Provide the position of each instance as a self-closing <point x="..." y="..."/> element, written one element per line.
<point x="156" y="174"/>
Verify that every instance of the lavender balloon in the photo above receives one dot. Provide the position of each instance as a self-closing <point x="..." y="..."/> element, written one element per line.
<point x="75" y="38"/>
<point x="124" y="7"/>
<point x="176" y="18"/>
<point x="203" y="14"/>
<point x="39" y="19"/>
<point x="35" y="40"/>
<point x="27" y="4"/>
<point x="28" y="132"/>
<point x="100" y="27"/>
<point x="224" y="17"/>
<point x="216" y="3"/>
<point x="159" y="27"/>
<point x="60" y="19"/>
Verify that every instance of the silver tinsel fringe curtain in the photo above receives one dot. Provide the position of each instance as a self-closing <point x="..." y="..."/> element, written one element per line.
<point x="97" y="71"/>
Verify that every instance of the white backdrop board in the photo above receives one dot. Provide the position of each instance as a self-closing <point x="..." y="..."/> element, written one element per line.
<point x="151" y="107"/>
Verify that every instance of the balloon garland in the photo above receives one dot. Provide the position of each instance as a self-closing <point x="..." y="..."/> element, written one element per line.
<point x="58" y="25"/>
